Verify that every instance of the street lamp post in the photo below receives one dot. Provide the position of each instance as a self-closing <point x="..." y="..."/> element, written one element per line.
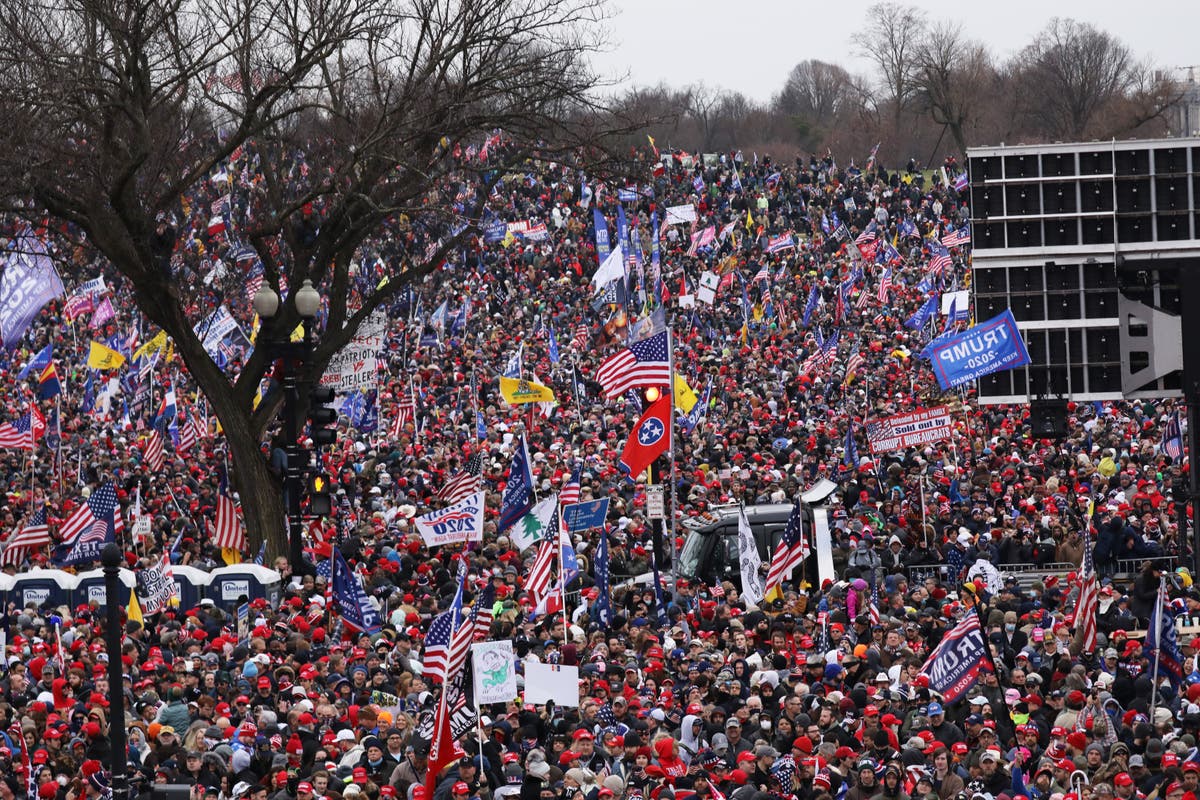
<point x="112" y="558"/>
<point x="294" y="356"/>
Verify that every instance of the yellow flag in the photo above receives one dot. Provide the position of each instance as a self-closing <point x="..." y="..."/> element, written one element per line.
<point x="749" y="221"/>
<point x="101" y="357"/>
<point x="685" y="398"/>
<point x="298" y="333"/>
<point x="135" y="609"/>
<point x="231" y="556"/>
<point x="508" y="239"/>
<point x="155" y="345"/>
<point x="518" y="390"/>
<point x="775" y="593"/>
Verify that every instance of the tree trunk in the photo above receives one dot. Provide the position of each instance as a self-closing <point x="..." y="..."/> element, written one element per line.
<point x="261" y="493"/>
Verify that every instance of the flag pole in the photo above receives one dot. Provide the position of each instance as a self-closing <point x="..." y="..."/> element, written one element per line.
<point x="924" y="520"/>
<point x="562" y="572"/>
<point x="1156" y="620"/>
<point x="671" y="453"/>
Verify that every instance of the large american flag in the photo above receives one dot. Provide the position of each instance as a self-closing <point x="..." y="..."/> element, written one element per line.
<point x="957" y="238"/>
<point x="582" y="334"/>
<point x="854" y="363"/>
<point x="90" y="520"/>
<point x="155" y="458"/>
<point x="463" y="483"/>
<point x="19" y="434"/>
<point x="406" y="408"/>
<point x="35" y="533"/>
<point x="189" y="434"/>
<point x="1088" y="606"/>
<point x="885" y="286"/>
<point x="644" y="363"/>
<point x="1172" y="440"/>
<point x="540" y="575"/>
<point x="449" y="633"/>
<point x="939" y="257"/>
<point x="790" y="552"/>
<point x="227" y="533"/>
<point x="570" y="491"/>
<point x="874" y="610"/>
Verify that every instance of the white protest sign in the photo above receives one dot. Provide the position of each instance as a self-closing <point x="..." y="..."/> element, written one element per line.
<point x="495" y="672"/>
<point x="707" y="293"/>
<point x="551" y="682"/>
<point x="461" y="522"/>
<point x="680" y="214"/>
<point x="354" y="368"/>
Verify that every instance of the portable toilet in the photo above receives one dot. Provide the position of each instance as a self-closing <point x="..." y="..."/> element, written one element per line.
<point x="191" y="585"/>
<point x="44" y="588"/>
<point x="229" y="585"/>
<point x="89" y="587"/>
<point x="6" y="584"/>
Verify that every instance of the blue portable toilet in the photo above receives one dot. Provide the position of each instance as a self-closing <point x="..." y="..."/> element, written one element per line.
<point x="191" y="585"/>
<point x="230" y="584"/>
<point x="89" y="587"/>
<point x="44" y="588"/>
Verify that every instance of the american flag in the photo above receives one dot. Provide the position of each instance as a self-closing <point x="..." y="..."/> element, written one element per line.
<point x="854" y="363"/>
<point x="940" y="257"/>
<point x="885" y="286"/>
<point x="463" y="483"/>
<point x="481" y="612"/>
<point x="863" y="298"/>
<point x="718" y="590"/>
<point x="868" y="235"/>
<point x="957" y="238"/>
<point x="406" y="407"/>
<point x="19" y="434"/>
<point x="582" y="334"/>
<point x="189" y="435"/>
<point x="538" y="583"/>
<point x="824" y="356"/>
<point x="253" y="284"/>
<point x="36" y="533"/>
<point x="1172" y="442"/>
<point x="644" y="363"/>
<point x="570" y="491"/>
<point x="91" y="518"/>
<point x="227" y="533"/>
<point x="1088" y="606"/>
<point x="874" y="610"/>
<point x="155" y="459"/>
<point x="220" y="204"/>
<point x="789" y="553"/>
<point x="444" y="640"/>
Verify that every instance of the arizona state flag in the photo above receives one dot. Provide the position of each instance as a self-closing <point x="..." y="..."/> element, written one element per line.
<point x="649" y="438"/>
<point x="518" y="390"/>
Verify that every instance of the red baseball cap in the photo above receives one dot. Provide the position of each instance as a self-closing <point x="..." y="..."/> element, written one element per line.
<point x="460" y="788"/>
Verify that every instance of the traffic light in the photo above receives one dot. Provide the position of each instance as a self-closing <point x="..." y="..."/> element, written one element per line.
<point x="319" y="502"/>
<point x="321" y="416"/>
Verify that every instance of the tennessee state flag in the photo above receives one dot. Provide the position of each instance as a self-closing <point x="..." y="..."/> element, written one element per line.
<point x="649" y="438"/>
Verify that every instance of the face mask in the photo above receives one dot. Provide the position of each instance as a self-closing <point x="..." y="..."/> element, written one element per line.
<point x="1010" y="627"/>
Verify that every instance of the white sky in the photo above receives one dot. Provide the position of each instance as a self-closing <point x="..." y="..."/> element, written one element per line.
<point x="751" y="46"/>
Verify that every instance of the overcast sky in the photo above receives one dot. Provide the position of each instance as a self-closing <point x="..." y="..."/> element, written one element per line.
<point x="751" y="46"/>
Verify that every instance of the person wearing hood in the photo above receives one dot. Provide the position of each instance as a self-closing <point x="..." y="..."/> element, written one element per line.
<point x="691" y="738"/>
<point x="666" y="752"/>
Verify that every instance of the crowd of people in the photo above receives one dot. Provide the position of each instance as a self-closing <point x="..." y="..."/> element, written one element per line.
<point x="688" y="691"/>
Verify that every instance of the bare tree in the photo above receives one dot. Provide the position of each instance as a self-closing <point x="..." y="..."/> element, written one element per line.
<point x="1068" y="74"/>
<point x="344" y="119"/>
<point x="703" y="102"/>
<point x="817" y="90"/>
<point x="890" y="39"/>
<point x="953" y="77"/>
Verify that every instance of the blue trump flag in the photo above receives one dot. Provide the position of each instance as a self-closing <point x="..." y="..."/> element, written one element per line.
<point x="555" y="356"/>
<point x="1161" y="641"/>
<point x="357" y="611"/>
<point x="927" y="310"/>
<point x="811" y="305"/>
<point x="602" y="611"/>
<point x="30" y="281"/>
<point x="602" y="246"/>
<point x="989" y="347"/>
<point x="954" y="666"/>
<point x="38" y="363"/>
<point x="518" y="490"/>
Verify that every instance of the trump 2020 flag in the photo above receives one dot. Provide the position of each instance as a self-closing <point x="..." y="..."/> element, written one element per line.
<point x="518" y="490"/>
<point x="357" y="611"/>
<point x="954" y="666"/>
<point x="461" y="522"/>
<point x="30" y="281"/>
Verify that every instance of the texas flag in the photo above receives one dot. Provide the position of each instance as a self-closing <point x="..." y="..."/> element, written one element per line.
<point x="649" y="438"/>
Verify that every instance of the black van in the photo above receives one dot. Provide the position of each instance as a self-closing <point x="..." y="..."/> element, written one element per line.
<point x="710" y="548"/>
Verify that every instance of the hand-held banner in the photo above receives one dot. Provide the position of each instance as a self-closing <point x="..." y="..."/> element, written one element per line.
<point x="461" y="522"/>
<point x="899" y="431"/>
